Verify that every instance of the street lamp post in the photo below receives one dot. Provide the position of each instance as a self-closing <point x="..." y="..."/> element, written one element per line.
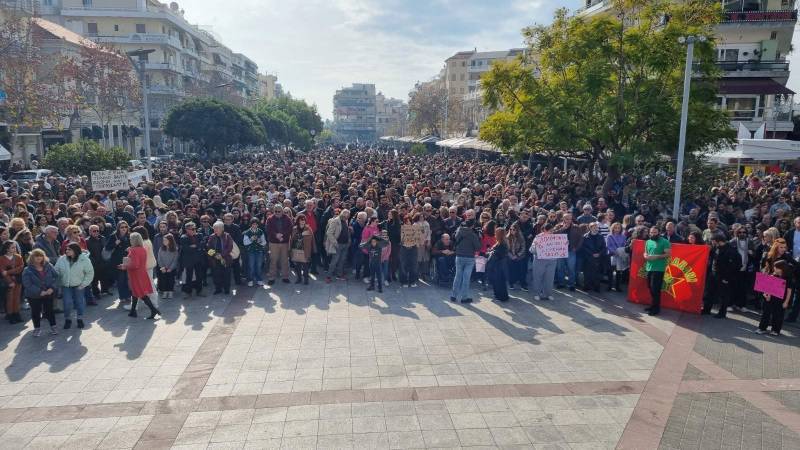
<point x="140" y="72"/>
<point x="687" y="80"/>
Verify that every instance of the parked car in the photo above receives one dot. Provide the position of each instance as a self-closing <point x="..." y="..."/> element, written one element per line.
<point x="29" y="176"/>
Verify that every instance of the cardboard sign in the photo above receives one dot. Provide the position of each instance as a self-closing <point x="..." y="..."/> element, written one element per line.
<point x="770" y="285"/>
<point x="139" y="176"/>
<point x="109" y="180"/>
<point x="551" y="246"/>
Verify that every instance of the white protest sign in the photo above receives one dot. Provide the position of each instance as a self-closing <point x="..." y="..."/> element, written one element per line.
<point x="109" y="180"/>
<point x="551" y="246"/>
<point x="139" y="176"/>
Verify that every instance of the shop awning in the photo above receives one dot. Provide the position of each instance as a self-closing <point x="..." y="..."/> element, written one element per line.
<point x="753" y="86"/>
<point x="5" y="155"/>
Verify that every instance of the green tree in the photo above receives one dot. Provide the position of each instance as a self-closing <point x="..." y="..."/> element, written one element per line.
<point x="609" y="88"/>
<point x="83" y="157"/>
<point x="291" y="120"/>
<point x="215" y="125"/>
<point x="419" y="150"/>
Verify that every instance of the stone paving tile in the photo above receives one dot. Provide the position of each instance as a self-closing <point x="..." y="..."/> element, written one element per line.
<point x="693" y="373"/>
<point x="789" y="399"/>
<point x="723" y="420"/>
<point x="732" y="345"/>
<point x="303" y="341"/>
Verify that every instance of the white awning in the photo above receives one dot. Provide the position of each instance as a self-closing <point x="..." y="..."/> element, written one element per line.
<point x="758" y="150"/>
<point x="5" y="155"/>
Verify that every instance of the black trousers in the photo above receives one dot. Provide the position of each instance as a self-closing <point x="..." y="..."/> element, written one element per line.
<point x="194" y="278"/>
<point x="222" y="278"/>
<point x="772" y="315"/>
<point x="166" y="281"/>
<point x="655" y="280"/>
<point x="39" y="306"/>
<point x="592" y="272"/>
<point x="236" y="265"/>
<point x="724" y="293"/>
<point x="741" y="285"/>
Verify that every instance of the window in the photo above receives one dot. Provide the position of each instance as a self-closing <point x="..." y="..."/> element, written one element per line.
<point x="453" y="77"/>
<point x="461" y="77"/>
<point x="87" y="2"/>
<point x="742" y="108"/>
<point x="729" y="54"/>
<point x="140" y="28"/>
<point x="463" y="64"/>
<point x="91" y="28"/>
<point x="773" y="35"/>
<point x="116" y="27"/>
<point x="461" y="90"/>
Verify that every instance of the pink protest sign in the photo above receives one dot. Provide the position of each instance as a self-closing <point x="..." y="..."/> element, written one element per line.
<point x="551" y="246"/>
<point x="770" y="285"/>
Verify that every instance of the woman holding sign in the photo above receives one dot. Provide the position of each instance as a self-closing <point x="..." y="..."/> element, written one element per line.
<point x="776" y="264"/>
<point x="544" y="270"/>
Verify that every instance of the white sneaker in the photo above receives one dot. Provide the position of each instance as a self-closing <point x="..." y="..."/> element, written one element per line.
<point x="366" y="280"/>
<point x="537" y="298"/>
<point x="260" y="283"/>
<point x="385" y="284"/>
<point x="249" y="284"/>
<point x="413" y="284"/>
<point x="127" y="307"/>
<point x="37" y="332"/>
<point x="53" y="330"/>
<point x="549" y="297"/>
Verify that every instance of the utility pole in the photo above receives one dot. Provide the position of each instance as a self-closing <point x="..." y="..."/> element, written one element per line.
<point x="141" y="54"/>
<point x="687" y="81"/>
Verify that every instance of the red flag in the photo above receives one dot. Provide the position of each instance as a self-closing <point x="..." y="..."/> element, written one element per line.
<point x="684" y="278"/>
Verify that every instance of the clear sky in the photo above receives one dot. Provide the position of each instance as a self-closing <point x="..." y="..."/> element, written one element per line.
<point x="318" y="46"/>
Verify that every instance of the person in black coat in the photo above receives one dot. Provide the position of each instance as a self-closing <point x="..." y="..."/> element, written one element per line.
<point x="496" y="266"/>
<point x="192" y="257"/>
<point x="593" y="249"/>
<point x="727" y="263"/>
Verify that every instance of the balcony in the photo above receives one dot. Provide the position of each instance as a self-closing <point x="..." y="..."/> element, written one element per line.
<point x="741" y="69"/>
<point x="164" y="90"/>
<point x="140" y="38"/>
<point x="771" y="16"/>
<point x="594" y="7"/>
<point x="161" y="66"/>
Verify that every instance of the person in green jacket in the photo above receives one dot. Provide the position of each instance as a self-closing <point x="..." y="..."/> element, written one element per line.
<point x="75" y="272"/>
<point x="656" y="256"/>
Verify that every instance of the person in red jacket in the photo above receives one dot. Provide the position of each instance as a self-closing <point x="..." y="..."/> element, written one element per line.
<point x="138" y="276"/>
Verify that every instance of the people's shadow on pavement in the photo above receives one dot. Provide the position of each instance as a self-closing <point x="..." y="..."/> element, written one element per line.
<point x="139" y="332"/>
<point x="55" y="352"/>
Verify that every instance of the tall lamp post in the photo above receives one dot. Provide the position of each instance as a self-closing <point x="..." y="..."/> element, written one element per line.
<point x="687" y="80"/>
<point x="141" y="54"/>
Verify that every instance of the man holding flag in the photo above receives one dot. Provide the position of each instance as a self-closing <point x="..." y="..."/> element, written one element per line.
<point x="656" y="254"/>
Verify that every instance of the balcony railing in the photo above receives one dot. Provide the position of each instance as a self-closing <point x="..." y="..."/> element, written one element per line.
<point x="783" y="15"/>
<point x="757" y="66"/>
<point x="139" y="38"/>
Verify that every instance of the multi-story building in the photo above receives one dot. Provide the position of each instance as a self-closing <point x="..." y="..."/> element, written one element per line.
<point x="462" y="75"/>
<point x="268" y="86"/>
<point x="187" y="60"/>
<point x="354" y="113"/>
<point x="391" y="116"/>
<point x="752" y="41"/>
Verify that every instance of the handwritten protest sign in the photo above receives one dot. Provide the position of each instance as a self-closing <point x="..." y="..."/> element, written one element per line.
<point x="139" y="176"/>
<point x="551" y="246"/>
<point x="109" y="180"/>
<point x="770" y="285"/>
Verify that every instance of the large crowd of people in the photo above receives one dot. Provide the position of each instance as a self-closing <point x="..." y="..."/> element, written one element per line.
<point x="379" y="217"/>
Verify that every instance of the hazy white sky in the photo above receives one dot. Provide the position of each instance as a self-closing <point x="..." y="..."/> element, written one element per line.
<point x="318" y="46"/>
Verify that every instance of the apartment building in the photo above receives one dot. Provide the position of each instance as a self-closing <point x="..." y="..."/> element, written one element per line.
<point x="462" y="75"/>
<point x="391" y="115"/>
<point x="355" y="113"/>
<point x="187" y="60"/>
<point x="268" y="86"/>
<point x="753" y="39"/>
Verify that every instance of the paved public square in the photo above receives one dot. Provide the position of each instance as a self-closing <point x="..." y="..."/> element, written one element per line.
<point x="335" y="366"/>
